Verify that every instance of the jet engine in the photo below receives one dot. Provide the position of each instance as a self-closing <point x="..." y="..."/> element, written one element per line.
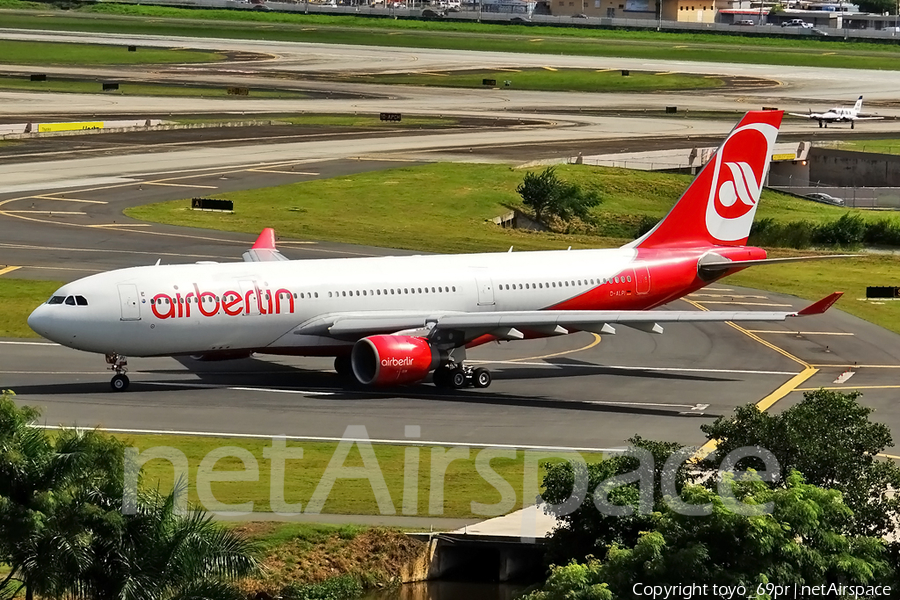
<point x="393" y="359"/>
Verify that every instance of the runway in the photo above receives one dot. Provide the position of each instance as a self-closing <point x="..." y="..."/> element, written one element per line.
<point x="60" y="218"/>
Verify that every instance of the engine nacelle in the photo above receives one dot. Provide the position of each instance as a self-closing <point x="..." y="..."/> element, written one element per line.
<point x="393" y="359"/>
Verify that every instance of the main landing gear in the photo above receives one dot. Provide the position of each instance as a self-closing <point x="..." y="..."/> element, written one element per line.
<point x="119" y="364"/>
<point x="459" y="376"/>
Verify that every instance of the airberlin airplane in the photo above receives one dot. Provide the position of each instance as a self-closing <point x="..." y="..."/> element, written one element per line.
<point x="395" y="320"/>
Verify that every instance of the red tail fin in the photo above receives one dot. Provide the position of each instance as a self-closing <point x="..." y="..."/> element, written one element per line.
<point x="718" y="207"/>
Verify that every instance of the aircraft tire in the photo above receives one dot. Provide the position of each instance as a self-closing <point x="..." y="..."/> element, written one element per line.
<point x="457" y="378"/>
<point x="481" y="378"/>
<point x="119" y="383"/>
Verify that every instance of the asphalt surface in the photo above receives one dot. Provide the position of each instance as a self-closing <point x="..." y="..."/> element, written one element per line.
<point x="572" y="392"/>
<point x="60" y="218"/>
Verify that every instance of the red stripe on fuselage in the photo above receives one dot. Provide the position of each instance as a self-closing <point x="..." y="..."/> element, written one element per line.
<point x="672" y="274"/>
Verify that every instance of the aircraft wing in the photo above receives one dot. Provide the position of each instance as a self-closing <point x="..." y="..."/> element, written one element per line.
<point x="264" y="248"/>
<point x="807" y="115"/>
<point x="866" y="118"/>
<point x="511" y="324"/>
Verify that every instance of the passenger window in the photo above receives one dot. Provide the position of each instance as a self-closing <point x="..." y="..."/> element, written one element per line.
<point x="454" y="288"/>
<point x="629" y="279"/>
<point x="70" y="300"/>
<point x="317" y="294"/>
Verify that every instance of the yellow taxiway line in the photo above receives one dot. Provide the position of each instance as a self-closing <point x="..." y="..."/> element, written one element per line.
<point x="800" y="332"/>
<point x="6" y="270"/>
<point x="588" y="347"/>
<point x="769" y="401"/>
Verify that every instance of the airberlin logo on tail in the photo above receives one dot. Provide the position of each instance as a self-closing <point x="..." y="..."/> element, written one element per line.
<point x="208" y="304"/>
<point x="740" y="168"/>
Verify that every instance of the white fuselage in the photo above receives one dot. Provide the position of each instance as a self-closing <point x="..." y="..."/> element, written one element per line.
<point x="256" y="306"/>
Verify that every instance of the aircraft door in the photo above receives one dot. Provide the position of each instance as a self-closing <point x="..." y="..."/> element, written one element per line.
<point x="642" y="277"/>
<point x="251" y="307"/>
<point x="485" y="287"/>
<point x="130" y="302"/>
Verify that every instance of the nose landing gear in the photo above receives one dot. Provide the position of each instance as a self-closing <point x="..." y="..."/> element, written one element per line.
<point x="119" y="364"/>
<point x="456" y="377"/>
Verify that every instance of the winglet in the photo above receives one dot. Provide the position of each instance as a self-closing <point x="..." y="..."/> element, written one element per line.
<point x="817" y="308"/>
<point x="266" y="240"/>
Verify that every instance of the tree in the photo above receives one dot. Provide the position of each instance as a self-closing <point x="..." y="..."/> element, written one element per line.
<point x="47" y="489"/>
<point x="588" y="531"/>
<point x="63" y="532"/>
<point x="159" y="554"/>
<point x="829" y="438"/>
<point x="878" y="6"/>
<point x="802" y="540"/>
<point x="549" y="196"/>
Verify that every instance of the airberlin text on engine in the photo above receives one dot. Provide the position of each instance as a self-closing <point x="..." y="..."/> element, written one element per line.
<point x="231" y="303"/>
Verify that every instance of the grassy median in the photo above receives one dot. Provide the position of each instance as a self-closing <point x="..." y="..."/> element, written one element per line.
<point x="547" y="79"/>
<point x="15" y="52"/>
<point x="19" y="297"/>
<point x="461" y="482"/>
<point x="72" y="86"/>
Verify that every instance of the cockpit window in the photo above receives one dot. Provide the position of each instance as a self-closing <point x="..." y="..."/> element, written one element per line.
<point x="81" y="300"/>
<point x="70" y="300"/>
<point x="56" y="300"/>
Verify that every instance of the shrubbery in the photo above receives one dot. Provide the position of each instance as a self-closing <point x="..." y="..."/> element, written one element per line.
<point x="343" y="587"/>
<point x="850" y="231"/>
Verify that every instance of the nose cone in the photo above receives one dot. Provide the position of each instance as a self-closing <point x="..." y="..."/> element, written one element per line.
<point x="39" y="321"/>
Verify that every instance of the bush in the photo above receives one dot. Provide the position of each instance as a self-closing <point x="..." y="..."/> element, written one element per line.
<point x="343" y="587"/>
<point x="849" y="230"/>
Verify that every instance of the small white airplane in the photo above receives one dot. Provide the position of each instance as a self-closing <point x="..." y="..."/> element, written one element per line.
<point x="395" y="320"/>
<point x="838" y="114"/>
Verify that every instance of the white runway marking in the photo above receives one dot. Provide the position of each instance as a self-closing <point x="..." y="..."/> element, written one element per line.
<point x="65" y="183"/>
<point x="213" y="386"/>
<point x="306" y="438"/>
<point x="843" y="377"/>
<point x="29" y="344"/>
<point x="630" y="368"/>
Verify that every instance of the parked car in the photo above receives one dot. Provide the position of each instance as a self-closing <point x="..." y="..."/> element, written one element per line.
<point x="797" y="23"/>
<point x="744" y="22"/>
<point x="826" y="198"/>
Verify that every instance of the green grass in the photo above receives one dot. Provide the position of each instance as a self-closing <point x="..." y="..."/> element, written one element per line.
<point x="462" y="484"/>
<point x="444" y="208"/>
<point x="13" y="52"/>
<point x="367" y="120"/>
<point x="134" y="89"/>
<point x="564" y="80"/>
<point x="360" y="121"/>
<point x="19" y="297"/>
<point x="111" y="18"/>
<point x="877" y="146"/>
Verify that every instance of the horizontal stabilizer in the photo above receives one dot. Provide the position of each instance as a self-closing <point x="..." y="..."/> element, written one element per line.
<point x="733" y="264"/>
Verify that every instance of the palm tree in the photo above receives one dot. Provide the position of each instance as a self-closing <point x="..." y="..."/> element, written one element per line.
<point x="63" y="532"/>
<point x="158" y="554"/>
<point x="46" y="487"/>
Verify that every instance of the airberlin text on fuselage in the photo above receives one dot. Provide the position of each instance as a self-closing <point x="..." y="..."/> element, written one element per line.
<point x="231" y="303"/>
